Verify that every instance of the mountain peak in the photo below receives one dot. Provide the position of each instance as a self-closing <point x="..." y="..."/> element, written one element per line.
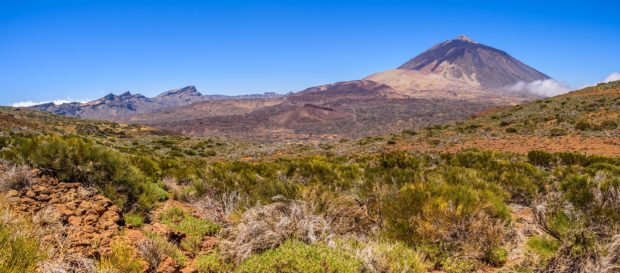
<point x="463" y="59"/>
<point x="189" y="90"/>
<point x="465" y="39"/>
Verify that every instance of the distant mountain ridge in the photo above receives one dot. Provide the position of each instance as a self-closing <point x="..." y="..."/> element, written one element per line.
<point x="125" y="104"/>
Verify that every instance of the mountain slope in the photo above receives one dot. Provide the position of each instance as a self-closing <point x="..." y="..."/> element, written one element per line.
<point x="460" y="64"/>
<point x="464" y="58"/>
<point x="586" y="120"/>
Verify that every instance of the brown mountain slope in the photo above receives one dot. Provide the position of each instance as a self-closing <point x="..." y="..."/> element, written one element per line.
<point x="585" y="120"/>
<point x="463" y="58"/>
<point x="460" y="65"/>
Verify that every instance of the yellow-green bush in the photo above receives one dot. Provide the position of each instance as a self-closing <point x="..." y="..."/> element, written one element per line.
<point x="194" y="228"/>
<point x="122" y="258"/>
<point x="18" y="253"/>
<point x="186" y="223"/>
<point x="544" y="247"/>
<point x="388" y="257"/>
<point x="134" y="220"/>
<point x="212" y="263"/>
<point x="451" y="211"/>
<point x="294" y="256"/>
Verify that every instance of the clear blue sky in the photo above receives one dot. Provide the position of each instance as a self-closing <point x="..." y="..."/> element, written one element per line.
<point x="85" y="49"/>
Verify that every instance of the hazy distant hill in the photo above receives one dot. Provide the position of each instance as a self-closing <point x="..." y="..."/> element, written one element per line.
<point x="125" y="104"/>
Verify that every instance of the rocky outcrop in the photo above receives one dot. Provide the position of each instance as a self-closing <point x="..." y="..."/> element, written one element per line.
<point x="86" y="221"/>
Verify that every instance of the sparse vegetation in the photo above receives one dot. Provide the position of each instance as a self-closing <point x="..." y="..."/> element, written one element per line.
<point x="122" y="258"/>
<point x="368" y="205"/>
<point x="295" y="256"/>
<point x="134" y="220"/>
<point x="18" y="252"/>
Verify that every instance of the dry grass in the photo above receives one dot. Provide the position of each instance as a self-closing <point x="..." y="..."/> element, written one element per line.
<point x="218" y="208"/>
<point x="266" y="227"/>
<point x="379" y="256"/>
<point x="68" y="265"/>
<point x="610" y="263"/>
<point x="151" y="252"/>
<point x="16" y="178"/>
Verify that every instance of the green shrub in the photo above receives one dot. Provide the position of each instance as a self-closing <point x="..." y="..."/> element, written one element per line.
<point x="541" y="158"/>
<point x="159" y="246"/>
<point x="554" y="132"/>
<point x="181" y="221"/>
<point x="458" y="265"/>
<point x="294" y="256"/>
<point x="397" y="257"/>
<point x="443" y="212"/>
<point x="511" y="130"/>
<point x="212" y="263"/>
<point x="18" y="253"/>
<point x="608" y="125"/>
<point x="596" y="194"/>
<point x="504" y="123"/>
<point x="497" y="256"/>
<point x="522" y="180"/>
<point x="195" y="229"/>
<point x="121" y="259"/>
<point x="583" y="126"/>
<point x="134" y="220"/>
<point x="577" y="189"/>
<point x="543" y="247"/>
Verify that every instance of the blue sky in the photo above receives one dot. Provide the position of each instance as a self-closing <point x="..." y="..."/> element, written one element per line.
<point x="85" y="49"/>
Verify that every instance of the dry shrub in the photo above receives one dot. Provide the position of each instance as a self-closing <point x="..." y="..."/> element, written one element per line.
<point x="611" y="262"/>
<point x="152" y="252"/>
<point x="68" y="265"/>
<point x="16" y="178"/>
<point x="345" y="213"/>
<point x="172" y="186"/>
<point x="600" y="259"/>
<point x="266" y="227"/>
<point x="218" y="208"/>
<point x="379" y="256"/>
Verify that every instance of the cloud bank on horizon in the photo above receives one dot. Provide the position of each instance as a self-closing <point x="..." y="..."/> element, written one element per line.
<point x="551" y="87"/>
<point x="615" y="76"/>
<point x="547" y="88"/>
<point x="29" y="103"/>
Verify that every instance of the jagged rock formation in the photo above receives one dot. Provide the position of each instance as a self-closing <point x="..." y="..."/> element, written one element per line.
<point x="114" y="106"/>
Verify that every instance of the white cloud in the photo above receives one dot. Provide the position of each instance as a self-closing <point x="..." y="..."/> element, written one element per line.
<point x="545" y="88"/>
<point x="29" y="103"/>
<point x="615" y="76"/>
